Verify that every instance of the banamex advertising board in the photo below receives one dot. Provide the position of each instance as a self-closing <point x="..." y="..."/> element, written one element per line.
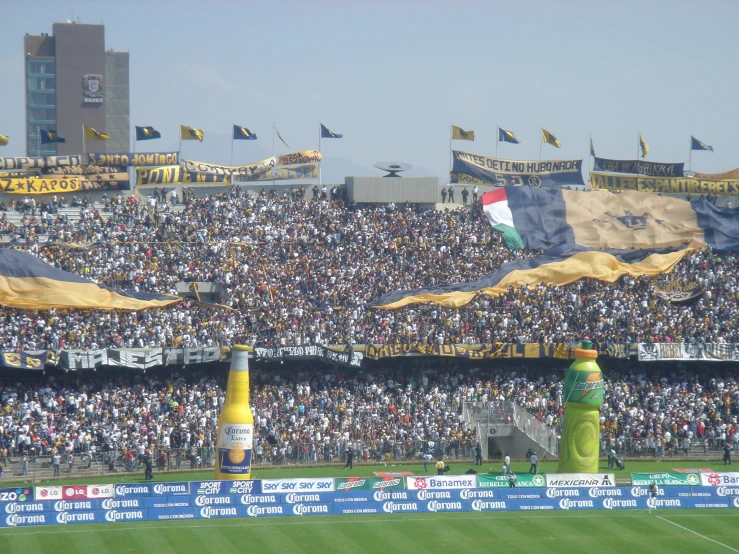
<point x="67" y="505"/>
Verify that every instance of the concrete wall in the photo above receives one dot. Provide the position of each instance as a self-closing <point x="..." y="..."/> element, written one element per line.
<point x="116" y="105"/>
<point x="80" y="50"/>
<point x="415" y="190"/>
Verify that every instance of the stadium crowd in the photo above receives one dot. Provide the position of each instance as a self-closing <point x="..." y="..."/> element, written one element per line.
<point x="308" y="416"/>
<point x="301" y="272"/>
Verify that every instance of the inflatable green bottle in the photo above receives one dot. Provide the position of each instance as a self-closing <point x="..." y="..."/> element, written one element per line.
<point x="583" y="393"/>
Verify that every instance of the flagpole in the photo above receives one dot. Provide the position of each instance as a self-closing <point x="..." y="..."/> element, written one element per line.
<point x="450" y="153"/>
<point x="497" y="140"/>
<point x="232" y="147"/>
<point x="84" y="153"/>
<point x="541" y="140"/>
<point x="638" y="144"/>
<point x="273" y="148"/>
<point x="38" y="141"/>
<point x="690" y="155"/>
<point x="320" y="170"/>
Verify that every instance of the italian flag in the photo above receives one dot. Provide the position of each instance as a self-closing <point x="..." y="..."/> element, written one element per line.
<point x="495" y="206"/>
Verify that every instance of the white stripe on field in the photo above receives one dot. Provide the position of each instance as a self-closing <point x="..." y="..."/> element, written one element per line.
<point x="697" y="533"/>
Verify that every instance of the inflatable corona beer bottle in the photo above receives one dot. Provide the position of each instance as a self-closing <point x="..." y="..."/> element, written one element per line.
<point x="583" y="394"/>
<point x="236" y="422"/>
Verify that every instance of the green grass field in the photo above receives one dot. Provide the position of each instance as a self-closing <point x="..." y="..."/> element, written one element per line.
<point x="689" y="531"/>
<point x="579" y="532"/>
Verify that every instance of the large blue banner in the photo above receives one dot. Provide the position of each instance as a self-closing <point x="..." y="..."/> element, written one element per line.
<point x="483" y="170"/>
<point x="230" y="499"/>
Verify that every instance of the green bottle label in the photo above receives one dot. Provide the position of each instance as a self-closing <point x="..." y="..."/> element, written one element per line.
<point x="583" y="387"/>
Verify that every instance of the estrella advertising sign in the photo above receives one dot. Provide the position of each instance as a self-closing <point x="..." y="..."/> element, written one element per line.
<point x="524" y="480"/>
<point x="666" y="479"/>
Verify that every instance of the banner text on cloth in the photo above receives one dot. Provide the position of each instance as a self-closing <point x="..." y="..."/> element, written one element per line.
<point x="303" y="157"/>
<point x="615" y="182"/>
<point x="41" y="162"/>
<point x="689" y="351"/>
<point x="349" y="358"/>
<point x="177" y="175"/>
<point x="641" y="167"/>
<point x="135" y="159"/>
<point x="62" y="184"/>
<point x="532" y="350"/>
<point x="474" y="169"/>
<point x="280" y="174"/>
<point x="141" y="359"/>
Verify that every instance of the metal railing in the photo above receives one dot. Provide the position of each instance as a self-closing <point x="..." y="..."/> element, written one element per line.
<point x="504" y="416"/>
<point x="34" y="467"/>
<point x="698" y="447"/>
<point x="537" y="430"/>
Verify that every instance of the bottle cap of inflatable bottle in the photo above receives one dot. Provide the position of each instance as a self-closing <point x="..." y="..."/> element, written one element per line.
<point x="586" y="352"/>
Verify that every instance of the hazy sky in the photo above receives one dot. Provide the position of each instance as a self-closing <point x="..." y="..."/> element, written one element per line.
<point x="393" y="76"/>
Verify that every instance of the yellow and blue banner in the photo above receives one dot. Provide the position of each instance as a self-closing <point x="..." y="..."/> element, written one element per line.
<point x="644" y="146"/>
<point x="474" y="169"/>
<point x="92" y="134"/>
<point x="695" y="144"/>
<point x="549" y="138"/>
<point x="666" y="185"/>
<point x="50" y="137"/>
<point x="177" y="175"/>
<point x="28" y="283"/>
<point x="460" y="134"/>
<point x="326" y="133"/>
<point x="63" y="184"/>
<point x="242" y="133"/>
<point x="507" y="136"/>
<point x="191" y="133"/>
<point x="560" y="266"/>
<point x="147" y="133"/>
<point x="294" y="158"/>
<point x="600" y="219"/>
